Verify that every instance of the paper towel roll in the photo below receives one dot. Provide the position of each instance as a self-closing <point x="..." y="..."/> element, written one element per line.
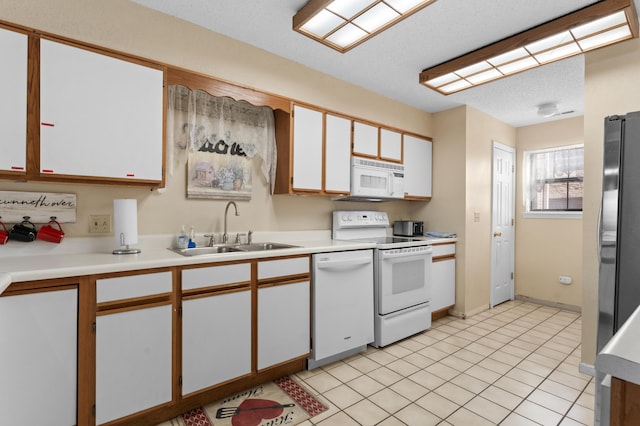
<point x="125" y="221"/>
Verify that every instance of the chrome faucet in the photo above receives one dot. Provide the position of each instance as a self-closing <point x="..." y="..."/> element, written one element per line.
<point x="225" y="236"/>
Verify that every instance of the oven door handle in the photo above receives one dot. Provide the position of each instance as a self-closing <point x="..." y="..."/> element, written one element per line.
<point x="343" y="264"/>
<point x="426" y="253"/>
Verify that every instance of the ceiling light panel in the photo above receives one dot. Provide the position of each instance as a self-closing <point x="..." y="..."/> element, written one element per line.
<point x="603" y="39"/>
<point x="403" y="6"/>
<point x="343" y="24"/>
<point x="600" y="24"/>
<point x="346" y="35"/>
<point x="349" y="8"/>
<point x="550" y="42"/>
<point x="323" y="23"/>
<point x="376" y="17"/>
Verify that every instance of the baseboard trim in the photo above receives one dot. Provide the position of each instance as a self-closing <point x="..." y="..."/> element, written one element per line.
<point x="588" y="369"/>
<point x="469" y="314"/>
<point x="557" y="305"/>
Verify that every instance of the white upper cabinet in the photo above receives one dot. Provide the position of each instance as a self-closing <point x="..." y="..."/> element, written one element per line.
<point x="417" y="166"/>
<point x="378" y="142"/>
<point x="100" y="116"/>
<point x="13" y="102"/>
<point x="307" y="149"/>
<point x="365" y="139"/>
<point x="337" y="154"/>
<point x="390" y="145"/>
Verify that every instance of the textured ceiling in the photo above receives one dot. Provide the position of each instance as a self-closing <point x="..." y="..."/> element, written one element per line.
<point x="390" y="62"/>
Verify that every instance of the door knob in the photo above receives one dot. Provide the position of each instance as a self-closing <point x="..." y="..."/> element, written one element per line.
<point x="497" y="234"/>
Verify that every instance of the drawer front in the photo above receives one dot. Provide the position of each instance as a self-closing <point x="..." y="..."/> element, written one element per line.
<point x="283" y="267"/>
<point x="216" y="275"/>
<point x="110" y="289"/>
<point x="444" y="250"/>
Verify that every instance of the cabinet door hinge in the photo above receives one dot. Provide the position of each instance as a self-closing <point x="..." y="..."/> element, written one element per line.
<point x="513" y="168"/>
<point x="512" y="275"/>
<point x="180" y="381"/>
<point x="93" y="327"/>
<point x="180" y="311"/>
<point x="512" y="222"/>
<point x="93" y="410"/>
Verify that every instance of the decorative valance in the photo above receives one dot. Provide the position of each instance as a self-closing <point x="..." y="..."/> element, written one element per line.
<point x="231" y="131"/>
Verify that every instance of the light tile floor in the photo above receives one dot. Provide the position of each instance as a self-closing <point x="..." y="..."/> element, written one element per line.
<point x="514" y="365"/>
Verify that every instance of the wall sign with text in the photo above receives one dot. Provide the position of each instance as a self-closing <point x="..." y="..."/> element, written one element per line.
<point x="39" y="206"/>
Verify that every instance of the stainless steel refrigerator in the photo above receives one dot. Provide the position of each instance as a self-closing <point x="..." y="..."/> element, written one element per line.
<point x="619" y="236"/>
<point x="619" y="283"/>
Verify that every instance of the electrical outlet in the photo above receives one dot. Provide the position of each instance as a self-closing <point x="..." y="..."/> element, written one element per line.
<point x="100" y="223"/>
<point x="565" y="279"/>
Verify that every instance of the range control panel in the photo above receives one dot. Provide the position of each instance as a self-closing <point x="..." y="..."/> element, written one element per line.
<point x="359" y="219"/>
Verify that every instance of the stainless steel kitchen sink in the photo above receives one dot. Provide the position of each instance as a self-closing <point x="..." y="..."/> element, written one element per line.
<point x="229" y="248"/>
<point x="198" y="251"/>
<point x="263" y="246"/>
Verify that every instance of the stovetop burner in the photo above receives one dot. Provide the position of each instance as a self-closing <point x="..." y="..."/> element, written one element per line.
<point x="395" y="242"/>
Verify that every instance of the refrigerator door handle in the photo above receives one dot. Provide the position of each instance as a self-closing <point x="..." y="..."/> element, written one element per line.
<point x="599" y="236"/>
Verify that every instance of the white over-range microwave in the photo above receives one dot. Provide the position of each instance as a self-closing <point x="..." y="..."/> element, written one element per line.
<point x="376" y="179"/>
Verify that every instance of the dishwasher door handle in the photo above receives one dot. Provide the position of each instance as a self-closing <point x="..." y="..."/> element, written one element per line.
<point x="343" y="264"/>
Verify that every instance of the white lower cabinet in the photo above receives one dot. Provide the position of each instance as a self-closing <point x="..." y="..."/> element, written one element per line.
<point x="216" y="339"/>
<point x="133" y="346"/>
<point x="283" y="323"/>
<point x="38" y="355"/>
<point x="443" y="272"/>
<point x="133" y="361"/>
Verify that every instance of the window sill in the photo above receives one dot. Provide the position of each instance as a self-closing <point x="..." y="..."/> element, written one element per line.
<point x="552" y="215"/>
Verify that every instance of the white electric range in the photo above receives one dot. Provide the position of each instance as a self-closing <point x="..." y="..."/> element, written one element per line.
<point x="402" y="274"/>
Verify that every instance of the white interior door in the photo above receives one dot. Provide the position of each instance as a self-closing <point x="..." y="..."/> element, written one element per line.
<point x="502" y="226"/>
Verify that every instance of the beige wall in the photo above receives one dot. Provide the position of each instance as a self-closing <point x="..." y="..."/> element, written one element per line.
<point x="127" y="27"/>
<point x="446" y="212"/>
<point x="462" y="154"/>
<point x="547" y="248"/>
<point x="611" y="87"/>
<point x="482" y="130"/>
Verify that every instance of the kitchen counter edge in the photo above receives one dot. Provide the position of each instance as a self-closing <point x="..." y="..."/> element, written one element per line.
<point x="621" y="356"/>
<point x="50" y="266"/>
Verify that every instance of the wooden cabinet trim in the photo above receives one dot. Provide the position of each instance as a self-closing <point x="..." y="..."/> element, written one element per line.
<point x="625" y="402"/>
<point x="55" y="284"/>
<point x="284" y="280"/>
<point x="133" y="304"/>
<point x="130" y="273"/>
<point x="443" y="258"/>
<point x="215" y="290"/>
<point x="218" y="87"/>
<point x="86" y="352"/>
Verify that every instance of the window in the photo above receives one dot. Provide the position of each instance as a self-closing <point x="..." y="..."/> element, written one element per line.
<point x="553" y="181"/>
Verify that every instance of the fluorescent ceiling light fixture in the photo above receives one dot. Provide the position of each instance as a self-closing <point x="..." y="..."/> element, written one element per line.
<point x="344" y="24"/>
<point x="598" y="25"/>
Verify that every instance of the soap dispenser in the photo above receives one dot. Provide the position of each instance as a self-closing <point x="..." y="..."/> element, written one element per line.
<point x="192" y="237"/>
<point x="182" y="241"/>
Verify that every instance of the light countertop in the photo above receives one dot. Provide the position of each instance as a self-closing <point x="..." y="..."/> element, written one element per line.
<point x="86" y="256"/>
<point x="621" y="356"/>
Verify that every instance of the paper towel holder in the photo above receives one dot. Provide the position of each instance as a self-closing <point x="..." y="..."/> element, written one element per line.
<point x="125" y="223"/>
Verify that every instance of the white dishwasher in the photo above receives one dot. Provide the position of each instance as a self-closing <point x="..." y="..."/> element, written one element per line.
<point x="342" y="300"/>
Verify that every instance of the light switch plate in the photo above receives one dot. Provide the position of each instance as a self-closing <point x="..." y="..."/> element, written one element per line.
<point x="100" y="224"/>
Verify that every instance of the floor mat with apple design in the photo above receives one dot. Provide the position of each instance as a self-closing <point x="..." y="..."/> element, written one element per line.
<point x="281" y="402"/>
